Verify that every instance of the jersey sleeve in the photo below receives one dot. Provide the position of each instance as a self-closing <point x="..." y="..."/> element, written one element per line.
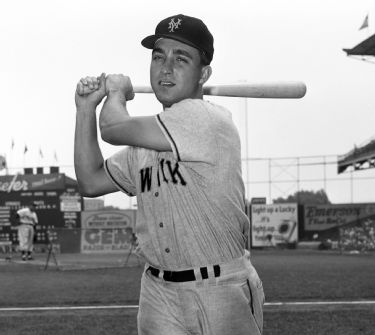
<point x="189" y="126"/>
<point x="119" y="169"/>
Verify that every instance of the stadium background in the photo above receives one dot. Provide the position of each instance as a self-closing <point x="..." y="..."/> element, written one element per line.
<point x="90" y="225"/>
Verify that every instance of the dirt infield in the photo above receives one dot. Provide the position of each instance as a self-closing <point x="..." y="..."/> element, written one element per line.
<point x="288" y="275"/>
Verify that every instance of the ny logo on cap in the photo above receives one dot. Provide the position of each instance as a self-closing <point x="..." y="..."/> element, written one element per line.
<point x="174" y="25"/>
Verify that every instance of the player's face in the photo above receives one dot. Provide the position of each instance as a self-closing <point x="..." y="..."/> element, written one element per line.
<point x="176" y="72"/>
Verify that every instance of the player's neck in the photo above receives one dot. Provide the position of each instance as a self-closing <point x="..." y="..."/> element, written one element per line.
<point x="198" y="95"/>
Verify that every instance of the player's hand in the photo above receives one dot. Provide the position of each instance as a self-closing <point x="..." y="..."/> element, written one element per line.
<point x="90" y="91"/>
<point x="119" y="85"/>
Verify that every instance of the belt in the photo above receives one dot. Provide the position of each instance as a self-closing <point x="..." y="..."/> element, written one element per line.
<point x="183" y="276"/>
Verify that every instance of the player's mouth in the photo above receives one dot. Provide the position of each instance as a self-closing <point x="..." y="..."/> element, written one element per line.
<point x="166" y="83"/>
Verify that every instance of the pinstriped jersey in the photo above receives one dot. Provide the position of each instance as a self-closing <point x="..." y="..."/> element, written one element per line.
<point x="191" y="208"/>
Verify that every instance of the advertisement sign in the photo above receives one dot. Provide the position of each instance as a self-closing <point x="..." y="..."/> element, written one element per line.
<point x="107" y="231"/>
<point x="323" y="217"/>
<point x="70" y="202"/>
<point x="22" y="183"/>
<point x="273" y="224"/>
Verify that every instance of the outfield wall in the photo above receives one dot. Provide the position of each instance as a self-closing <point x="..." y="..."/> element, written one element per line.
<point x="75" y="231"/>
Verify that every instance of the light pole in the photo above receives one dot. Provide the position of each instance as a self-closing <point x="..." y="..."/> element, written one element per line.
<point x="247" y="164"/>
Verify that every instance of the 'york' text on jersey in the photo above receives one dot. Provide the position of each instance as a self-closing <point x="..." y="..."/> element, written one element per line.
<point x="167" y="172"/>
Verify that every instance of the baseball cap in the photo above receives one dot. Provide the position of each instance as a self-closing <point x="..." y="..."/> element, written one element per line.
<point x="186" y="29"/>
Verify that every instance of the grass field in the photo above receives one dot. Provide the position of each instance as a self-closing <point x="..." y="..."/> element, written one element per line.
<point x="287" y="275"/>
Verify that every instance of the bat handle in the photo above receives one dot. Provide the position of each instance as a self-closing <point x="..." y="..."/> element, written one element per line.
<point x="136" y="89"/>
<point x="142" y="89"/>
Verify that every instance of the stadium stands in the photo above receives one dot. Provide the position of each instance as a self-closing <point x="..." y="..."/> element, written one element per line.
<point x="359" y="158"/>
<point x="360" y="237"/>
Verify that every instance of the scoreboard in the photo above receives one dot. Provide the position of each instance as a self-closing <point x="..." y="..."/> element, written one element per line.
<point x="58" y="203"/>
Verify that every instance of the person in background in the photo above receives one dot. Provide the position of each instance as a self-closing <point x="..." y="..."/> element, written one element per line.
<point x="28" y="219"/>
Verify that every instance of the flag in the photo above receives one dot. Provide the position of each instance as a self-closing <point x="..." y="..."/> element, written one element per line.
<point x="365" y="23"/>
<point x="40" y="153"/>
<point x="25" y="150"/>
<point x="3" y="163"/>
<point x="12" y="145"/>
<point x="55" y="156"/>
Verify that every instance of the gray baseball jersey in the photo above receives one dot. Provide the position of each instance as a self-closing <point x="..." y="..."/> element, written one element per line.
<point x="191" y="208"/>
<point x="27" y="216"/>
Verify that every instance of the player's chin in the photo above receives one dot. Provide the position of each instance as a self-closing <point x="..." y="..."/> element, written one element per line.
<point x="167" y="98"/>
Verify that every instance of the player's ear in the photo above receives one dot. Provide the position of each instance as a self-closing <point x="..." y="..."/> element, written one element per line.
<point x="205" y="74"/>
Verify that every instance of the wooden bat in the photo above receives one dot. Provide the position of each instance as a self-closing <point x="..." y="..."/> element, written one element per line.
<point x="270" y="90"/>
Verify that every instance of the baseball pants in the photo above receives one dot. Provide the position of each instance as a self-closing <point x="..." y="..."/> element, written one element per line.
<point x="26" y="237"/>
<point x="231" y="304"/>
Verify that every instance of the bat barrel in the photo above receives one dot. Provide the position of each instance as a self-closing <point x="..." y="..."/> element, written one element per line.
<point x="272" y="90"/>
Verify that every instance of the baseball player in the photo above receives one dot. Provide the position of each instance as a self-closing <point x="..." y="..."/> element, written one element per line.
<point x="28" y="219"/>
<point x="184" y="167"/>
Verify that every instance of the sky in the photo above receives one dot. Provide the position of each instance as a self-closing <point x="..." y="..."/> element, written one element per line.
<point x="47" y="46"/>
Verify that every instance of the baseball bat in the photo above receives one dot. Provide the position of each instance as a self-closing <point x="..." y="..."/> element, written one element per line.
<point x="270" y="90"/>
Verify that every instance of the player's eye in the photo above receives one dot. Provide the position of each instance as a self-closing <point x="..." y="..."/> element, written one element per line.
<point x="156" y="57"/>
<point x="181" y="60"/>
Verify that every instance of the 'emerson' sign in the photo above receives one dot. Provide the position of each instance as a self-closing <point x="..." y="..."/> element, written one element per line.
<point x="323" y="217"/>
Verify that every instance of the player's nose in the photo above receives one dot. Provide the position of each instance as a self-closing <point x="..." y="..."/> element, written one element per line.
<point x="167" y="66"/>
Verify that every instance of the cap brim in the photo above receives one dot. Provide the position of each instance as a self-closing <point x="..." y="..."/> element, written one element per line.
<point x="149" y="41"/>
